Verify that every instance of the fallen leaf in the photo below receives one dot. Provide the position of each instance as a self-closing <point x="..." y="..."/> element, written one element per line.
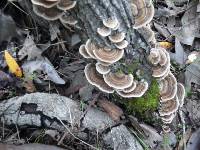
<point x="113" y="110"/>
<point x="166" y="45"/>
<point x="42" y="65"/>
<point x="12" y="64"/>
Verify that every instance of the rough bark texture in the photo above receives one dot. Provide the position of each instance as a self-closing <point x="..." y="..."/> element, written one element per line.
<point x="46" y="110"/>
<point x="91" y="13"/>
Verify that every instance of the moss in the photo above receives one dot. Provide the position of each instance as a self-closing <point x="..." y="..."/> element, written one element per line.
<point x="143" y="106"/>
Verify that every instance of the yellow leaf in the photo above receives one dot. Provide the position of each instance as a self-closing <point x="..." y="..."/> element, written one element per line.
<point x="165" y="44"/>
<point x="12" y="64"/>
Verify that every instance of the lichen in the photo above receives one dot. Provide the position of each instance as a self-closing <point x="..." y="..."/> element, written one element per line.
<point x="145" y="105"/>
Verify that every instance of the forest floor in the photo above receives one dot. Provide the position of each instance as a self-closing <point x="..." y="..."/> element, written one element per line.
<point x="177" y="28"/>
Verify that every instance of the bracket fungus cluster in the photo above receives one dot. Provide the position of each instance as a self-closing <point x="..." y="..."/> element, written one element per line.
<point x="108" y="30"/>
<point x="118" y="33"/>
<point x="101" y="73"/>
<point x="101" y="76"/>
<point x="171" y="93"/>
<point x="55" y="10"/>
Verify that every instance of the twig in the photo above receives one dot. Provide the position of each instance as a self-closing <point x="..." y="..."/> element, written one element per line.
<point x="75" y="136"/>
<point x="183" y="126"/>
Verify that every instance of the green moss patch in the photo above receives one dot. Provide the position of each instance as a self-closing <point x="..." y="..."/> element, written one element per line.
<point x="142" y="106"/>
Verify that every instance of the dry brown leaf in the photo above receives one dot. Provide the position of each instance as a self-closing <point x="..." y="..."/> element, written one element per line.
<point x="113" y="110"/>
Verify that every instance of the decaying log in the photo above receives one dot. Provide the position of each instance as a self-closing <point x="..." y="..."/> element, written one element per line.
<point x="29" y="147"/>
<point x="51" y="111"/>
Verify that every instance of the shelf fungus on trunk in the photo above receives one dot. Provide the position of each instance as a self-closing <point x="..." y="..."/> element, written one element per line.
<point x="96" y="79"/>
<point x="143" y="12"/>
<point x="102" y="54"/>
<point x="160" y="60"/>
<point x="139" y="90"/>
<point x="171" y="93"/>
<point x="180" y="93"/>
<point x="55" y="10"/>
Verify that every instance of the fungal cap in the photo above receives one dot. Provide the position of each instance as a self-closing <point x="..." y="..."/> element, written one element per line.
<point x="102" y="69"/>
<point x="166" y="128"/>
<point x="47" y="13"/>
<point x="111" y="23"/>
<point x="180" y="93"/>
<point x="104" y="31"/>
<point x="96" y="79"/>
<point x="134" y="9"/>
<point x="139" y="91"/>
<point x="83" y="51"/>
<point x="68" y="20"/>
<point x="168" y="87"/>
<point x="90" y="47"/>
<point x="45" y="3"/>
<point x="116" y="38"/>
<point x="159" y="71"/>
<point x="122" y="45"/>
<point x="169" y="107"/>
<point x="145" y="14"/>
<point x="108" y="56"/>
<point x="66" y="4"/>
<point x="154" y="56"/>
<point x="131" y="88"/>
<point x="118" y="81"/>
<point x="168" y="118"/>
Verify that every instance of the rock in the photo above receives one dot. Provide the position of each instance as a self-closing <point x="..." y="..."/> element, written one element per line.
<point x="179" y="56"/>
<point x="192" y="74"/>
<point x="97" y="120"/>
<point x="194" y="142"/>
<point x="120" y="139"/>
<point x="37" y="105"/>
<point x="153" y="137"/>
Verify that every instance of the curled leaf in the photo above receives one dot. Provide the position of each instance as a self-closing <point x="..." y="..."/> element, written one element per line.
<point x="12" y="64"/>
<point x="45" y="66"/>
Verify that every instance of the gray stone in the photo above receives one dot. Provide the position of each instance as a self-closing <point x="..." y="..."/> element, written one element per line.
<point x="120" y="139"/>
